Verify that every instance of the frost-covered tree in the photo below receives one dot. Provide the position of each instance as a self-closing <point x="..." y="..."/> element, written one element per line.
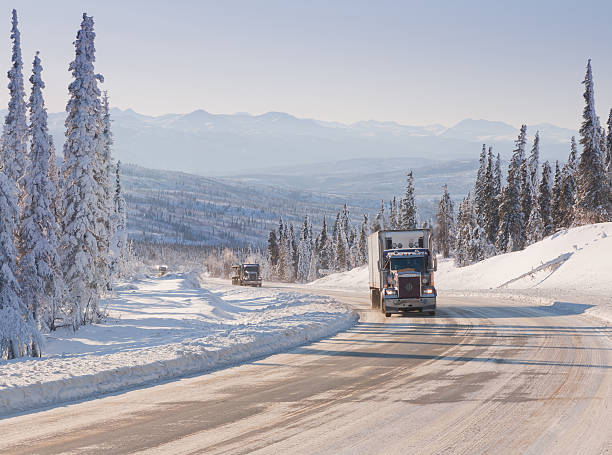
<point x="592" y="190"/>
<point x="556" y="209"/>
<point x="464" y="232"/>
<point x="18" y="334"/>
<point x="39" y="264"/>
<point x="15" y="131"/>
<point x="363" y="242"/>
<point x="490" y="214"/>
<point x="81" y="240"/>
<point x="408" y="210"/>
<point x="304" y="252"/>
<point x="511" y="231"/>
<point x="445" y="224"/>
<point x="568" y="186"/>
<point x="119" y="243"/>
<point x="545" y="200"/>
<point x="480" y="195"/>
<point x="103" y="174"/>
<point x="393" y="224"/>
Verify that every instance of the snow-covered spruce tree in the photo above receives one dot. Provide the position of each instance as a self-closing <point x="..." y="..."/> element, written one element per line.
<point x="119" y="243"/>
<point x="464" y="232"/>
<point x="408" y="210"/>
<point x="535" y="224"/>
<point x="105" y="208"/>
<point x="490" y="214"/>
<point x="325" y="249"/>
<point x="363" y="242"/>
<point x="18" y="334"/>
<point x="273" y="255"/>
<point x="511" y="231"/>
<point x="304" y="252"/>
<point x="556" y="209"/>
<point x="393" y="214"/>
<point x="445" y="224"/>
<point x="15" y="133"/>
<point x="545" y="200"/>
<point x="592" y="190"/>
<point x="341" y="250"/>
<point x="39" y="266"/>
<point x="480" y="195"/>
<point x="567" y="199"/>
<point x="81" y="241"/>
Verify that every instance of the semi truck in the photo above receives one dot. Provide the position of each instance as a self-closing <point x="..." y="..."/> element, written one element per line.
<point x="401" y="267"/>
<point x="246" y="275"/>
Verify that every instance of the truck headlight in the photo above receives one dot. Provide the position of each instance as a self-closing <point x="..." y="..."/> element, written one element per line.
<point x="390" y="291"/>
<point x="429" y="290"/>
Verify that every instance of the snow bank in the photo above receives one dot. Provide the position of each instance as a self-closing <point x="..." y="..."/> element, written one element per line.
<point x="352" y="280"/>
<point x="573" y="260"/>
<point x="163" y="328"/>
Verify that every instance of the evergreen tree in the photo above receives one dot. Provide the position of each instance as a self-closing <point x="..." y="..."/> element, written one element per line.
<point x="529" y="185"/>
<point x="608" y="161"/>
<point x="568" y="187"/>
<point x="593" y="191"/>
<point x="39" y="264"/>
<point x="408" y="210"/>
<point x="120" y="239"/>
<point x="556" y="210"/>
<point x="103" y="175"/>
<point x="480" y="195"/>
<point x="393" y="214"/>
<point x="304" y="252"/>
<point x="363" y="242"/>
<point x="18" y="334"/>
<point x="15" y="132"/>
<point x="464" y="232"/>
<point x="445" y="224"/>
<point x="511" y="231"/>
<point x="545" y="200"/>
<point x="490" y="215"/>
<point x="81" y="240"/>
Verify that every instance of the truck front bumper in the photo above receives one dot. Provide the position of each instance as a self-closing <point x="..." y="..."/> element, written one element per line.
<point x="400" y="305"/>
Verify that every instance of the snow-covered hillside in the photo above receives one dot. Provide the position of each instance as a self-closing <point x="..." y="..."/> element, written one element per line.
<point x="577" y="259"/>
<point x="162" y="328"/>
<point x="573" y="264"/>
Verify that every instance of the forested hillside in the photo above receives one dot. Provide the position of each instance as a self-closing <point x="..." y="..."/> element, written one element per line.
<point x="177" y="207"/>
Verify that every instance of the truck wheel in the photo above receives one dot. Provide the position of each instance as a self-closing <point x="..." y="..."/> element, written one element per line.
<point x="431" y="313"/>
<point x="375" y="298"/>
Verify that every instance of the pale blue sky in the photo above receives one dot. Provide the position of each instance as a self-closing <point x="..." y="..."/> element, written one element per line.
<point x="410" y="62"/>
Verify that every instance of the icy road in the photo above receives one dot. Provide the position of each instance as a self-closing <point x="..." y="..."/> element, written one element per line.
<point x="481" y="377"/>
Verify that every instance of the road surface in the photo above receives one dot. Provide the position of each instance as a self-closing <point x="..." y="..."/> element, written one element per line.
<point x="481" y="377"/>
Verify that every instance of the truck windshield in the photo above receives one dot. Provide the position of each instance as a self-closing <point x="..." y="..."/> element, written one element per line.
<point x="251" y="268"/>
<point x="416" y="263"/>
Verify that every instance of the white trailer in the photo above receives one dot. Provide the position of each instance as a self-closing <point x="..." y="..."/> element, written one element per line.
<point x="401" y="271"/>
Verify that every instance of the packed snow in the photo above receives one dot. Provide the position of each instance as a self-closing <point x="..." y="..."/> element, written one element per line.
<point x="166" y="327"/>
<point x="571" y="265"/>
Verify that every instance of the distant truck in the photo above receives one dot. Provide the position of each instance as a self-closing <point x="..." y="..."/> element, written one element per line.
<point x="401" y="268"/>
<point x="246" y="275"/>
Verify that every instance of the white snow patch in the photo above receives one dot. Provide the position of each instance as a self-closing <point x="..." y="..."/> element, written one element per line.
<point x="167" y="327"/>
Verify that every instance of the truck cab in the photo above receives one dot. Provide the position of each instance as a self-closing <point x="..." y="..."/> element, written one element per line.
<point x="401" y="268"/>
<point x="246" y="275"/>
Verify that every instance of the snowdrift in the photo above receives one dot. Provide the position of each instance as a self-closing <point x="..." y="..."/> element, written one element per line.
<point x="164" y="328"/>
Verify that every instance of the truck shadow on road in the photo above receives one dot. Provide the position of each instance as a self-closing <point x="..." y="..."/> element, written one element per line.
<point x="527" y="311"/>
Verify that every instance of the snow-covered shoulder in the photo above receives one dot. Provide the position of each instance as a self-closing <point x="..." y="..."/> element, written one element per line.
<point x="351" y="280"/>
<point x="167" y="327"/>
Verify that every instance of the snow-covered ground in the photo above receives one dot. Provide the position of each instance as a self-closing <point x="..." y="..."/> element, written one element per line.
<point x="162" y="328"/>
<point x="570" y="266"/>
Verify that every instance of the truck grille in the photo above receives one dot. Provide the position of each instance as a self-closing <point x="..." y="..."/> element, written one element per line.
<point x="409" y="287"/>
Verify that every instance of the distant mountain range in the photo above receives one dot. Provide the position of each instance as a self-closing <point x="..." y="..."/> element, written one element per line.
<point x="220" y="144"/>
